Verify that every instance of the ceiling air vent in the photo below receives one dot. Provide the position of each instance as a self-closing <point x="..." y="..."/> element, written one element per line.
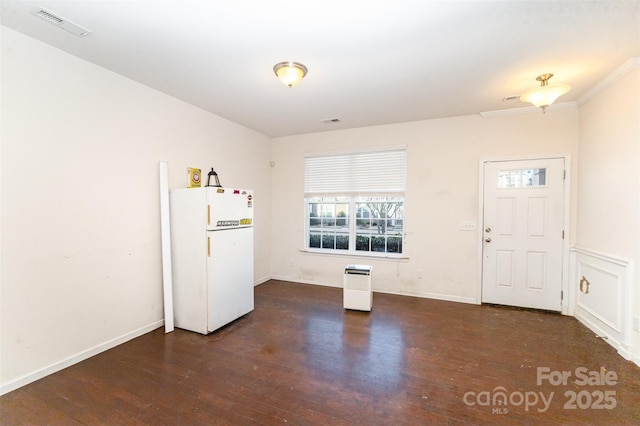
<point x="510" y="98"/>
<point x="59" y="21"/>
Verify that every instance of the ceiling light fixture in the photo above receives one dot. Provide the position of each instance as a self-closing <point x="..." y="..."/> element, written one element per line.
<point x="546" y="94"/>
<point x="290" y="73"/>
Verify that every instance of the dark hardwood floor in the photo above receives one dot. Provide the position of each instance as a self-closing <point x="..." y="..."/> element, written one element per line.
<point x="300" y="359"/>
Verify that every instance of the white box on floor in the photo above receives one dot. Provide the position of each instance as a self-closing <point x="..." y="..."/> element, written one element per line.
<point x="357" y="287"/>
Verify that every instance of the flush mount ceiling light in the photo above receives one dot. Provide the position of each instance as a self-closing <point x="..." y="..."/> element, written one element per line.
<point x="290" y="73"/>
<point x="546" y="94"/>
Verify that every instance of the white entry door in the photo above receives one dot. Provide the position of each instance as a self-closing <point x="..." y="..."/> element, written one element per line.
<point x="523" y="233"/>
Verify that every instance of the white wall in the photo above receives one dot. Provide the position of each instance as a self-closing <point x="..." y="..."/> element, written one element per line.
<point x="80" y="205"/>
<point x="442" y="191"/>
<point x="609" y="177"/>
<point x="80" y="238"/>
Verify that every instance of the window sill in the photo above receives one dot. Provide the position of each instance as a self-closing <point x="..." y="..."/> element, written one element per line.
<point x="380" y="256"/>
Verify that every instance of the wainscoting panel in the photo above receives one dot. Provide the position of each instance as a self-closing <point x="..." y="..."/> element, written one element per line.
<point x="603" y="296"/>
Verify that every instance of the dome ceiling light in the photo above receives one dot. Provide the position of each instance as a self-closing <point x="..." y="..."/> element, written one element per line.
<point x="546" y="94"/>
<point x="290" y="73"/>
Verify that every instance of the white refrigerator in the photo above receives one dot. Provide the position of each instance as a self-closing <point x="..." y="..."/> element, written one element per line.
<point x="212" y="256"/>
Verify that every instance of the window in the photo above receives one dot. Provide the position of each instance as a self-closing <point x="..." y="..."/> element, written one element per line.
<point x="328" y="223"/>
<point x="355" y="202"/>
<point x="522" y="178"/>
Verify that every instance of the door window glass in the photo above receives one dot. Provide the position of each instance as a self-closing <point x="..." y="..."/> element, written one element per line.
<point x="522" y="178"/>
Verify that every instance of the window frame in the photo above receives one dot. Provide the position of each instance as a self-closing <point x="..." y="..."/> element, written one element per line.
<point x="352" y="220"/>
<point x="354" y="196"/>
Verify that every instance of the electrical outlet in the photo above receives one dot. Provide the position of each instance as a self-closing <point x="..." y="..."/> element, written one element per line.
<point x="469" y="225"/>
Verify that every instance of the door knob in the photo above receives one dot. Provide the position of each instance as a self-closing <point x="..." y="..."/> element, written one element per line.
<point x="487" y="230"/>
<point x="488" y="240"/>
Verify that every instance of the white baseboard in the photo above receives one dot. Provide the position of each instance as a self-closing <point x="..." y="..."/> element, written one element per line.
<point x="295" y="280"/>
<point x="437" y="296"/>
<point x="74" y="359"/>
<point x="261" y="280"/>
<point x="623" y="350"/>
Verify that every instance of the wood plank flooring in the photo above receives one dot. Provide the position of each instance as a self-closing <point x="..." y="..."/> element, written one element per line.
<point x="300" y="359"/>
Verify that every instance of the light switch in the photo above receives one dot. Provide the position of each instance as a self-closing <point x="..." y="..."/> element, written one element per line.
<point x="469" y="225"/>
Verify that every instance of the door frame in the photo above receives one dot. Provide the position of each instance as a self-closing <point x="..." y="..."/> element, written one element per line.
<point x="567" y="286"/>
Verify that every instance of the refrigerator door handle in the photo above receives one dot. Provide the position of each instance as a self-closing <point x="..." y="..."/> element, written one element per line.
<point x="208" y="214"/>
<point x="208" y="246"/>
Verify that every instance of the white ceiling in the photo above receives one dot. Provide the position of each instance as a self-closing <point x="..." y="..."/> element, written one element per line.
<point x="370" y="62"/>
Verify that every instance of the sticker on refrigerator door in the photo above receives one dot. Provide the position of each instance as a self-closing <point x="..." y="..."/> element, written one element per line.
<point x="246" y="221"/>
<point x="228" y="223"/>
<point x="249" y="200"/>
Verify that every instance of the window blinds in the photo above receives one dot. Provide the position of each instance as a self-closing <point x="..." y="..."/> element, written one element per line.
<point x="356" y="173"/>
